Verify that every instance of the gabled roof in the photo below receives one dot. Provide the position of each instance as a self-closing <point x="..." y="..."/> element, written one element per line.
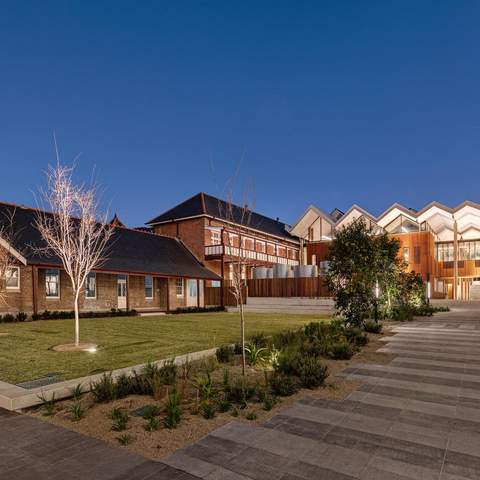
<point x="129" y="251"/>
<point x="305" y="221"/>
<point x="203" y="204"/>
<point x="355" y="208"/>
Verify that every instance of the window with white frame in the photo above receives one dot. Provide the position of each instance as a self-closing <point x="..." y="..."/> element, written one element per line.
<point x="148" y="287"/>
<point x="91" y="285"/>
<point x="12" y="278"/>
<point x="215" y="237"/>
<point x="52" y="283"/>
<point x="179" y="287"/>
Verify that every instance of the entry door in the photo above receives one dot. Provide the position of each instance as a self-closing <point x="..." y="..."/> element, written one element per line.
<point x="192" y="293"/>
<point x="122" y="292"/>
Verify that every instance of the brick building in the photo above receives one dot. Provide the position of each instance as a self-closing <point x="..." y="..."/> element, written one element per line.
<point x="143" y="271"/>
<point x="218" y="232"/>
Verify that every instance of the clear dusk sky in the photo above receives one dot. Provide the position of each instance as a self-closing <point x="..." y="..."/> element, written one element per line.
<point x="324" y="102"/>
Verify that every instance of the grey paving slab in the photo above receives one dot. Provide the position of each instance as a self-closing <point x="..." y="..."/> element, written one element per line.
<point x="32" y="449"/>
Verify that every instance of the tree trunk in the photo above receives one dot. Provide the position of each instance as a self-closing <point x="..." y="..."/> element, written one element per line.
<point x="242" y="329"/>
<point x="77" y="322"/>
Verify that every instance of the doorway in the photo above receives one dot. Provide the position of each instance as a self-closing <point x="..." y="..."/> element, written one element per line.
<point x="122" y="292"/>
<point x="192" y="293"/>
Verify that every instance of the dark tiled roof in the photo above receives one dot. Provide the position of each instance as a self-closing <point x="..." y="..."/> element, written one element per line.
<point x="129" y="251"/>
<point x="204" y="204"/>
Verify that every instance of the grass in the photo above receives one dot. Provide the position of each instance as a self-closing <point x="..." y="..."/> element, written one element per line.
<point x="25" y="353"/>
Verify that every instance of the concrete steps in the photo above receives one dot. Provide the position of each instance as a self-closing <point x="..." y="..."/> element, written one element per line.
<point x="294" y="305"/>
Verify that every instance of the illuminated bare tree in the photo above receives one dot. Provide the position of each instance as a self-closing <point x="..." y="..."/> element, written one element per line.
<point x="239" y="218"/>
<point x="74" y="230"/>
<point x="9" y="256"/>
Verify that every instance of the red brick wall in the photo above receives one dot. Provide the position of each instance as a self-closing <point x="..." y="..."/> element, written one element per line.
<point x="191" y="232"/>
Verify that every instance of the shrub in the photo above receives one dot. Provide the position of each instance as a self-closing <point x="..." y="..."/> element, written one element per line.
<point x="21" y="317"/>
<point x="402" y="313"/>
<point x="255" y="354"/>
<point x="311" y="371"/>
<point x="48" y="405"/>
<point x="251" y="416"/>
<point x="76" y="412"/>
<point x="77" y="392"/>
<point x="371" y="326"/>
<point x="283" y="385"/>
<point x="268" y="402"/>
<point x="172" y="410"/>
<point x="355" y="336"/>
<point x="153" y="423"/>
<point x="168" y="372"/>
<point x="123" y="386"/>
<point x="237" y="348"/>
<point x="141" y="385"/>
<point x="224" y="405"/>
<point x="120" y="419"/>
<point x="208" y="409"/>
<point x="288" y="338"/>
<point x="225" y="353"/>
<point x="125" y="440"/>
<point x="241" y="391"/>
<point x="198" y="309"/>
<point x="341" y="350"/>
<point x="8" y="318"/>
<point x="234" y="412"/>
<point x="104" y="390"/>
<point x="204" y="385"/>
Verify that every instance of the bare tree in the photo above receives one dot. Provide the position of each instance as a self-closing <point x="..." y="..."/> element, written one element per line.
<point x="239" y="219"/>
<point x="74" y="230"/>
<point x="9" y="256"/>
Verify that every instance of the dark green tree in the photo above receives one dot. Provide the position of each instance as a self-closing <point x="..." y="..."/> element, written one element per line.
<point x="359" y="258"/>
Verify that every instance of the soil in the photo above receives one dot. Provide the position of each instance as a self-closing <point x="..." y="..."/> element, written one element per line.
<point x="162" y="442"/>
<point x="71" y="347"/>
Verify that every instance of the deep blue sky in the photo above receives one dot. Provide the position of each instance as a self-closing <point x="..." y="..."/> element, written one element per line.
<point x="327" y="102"/>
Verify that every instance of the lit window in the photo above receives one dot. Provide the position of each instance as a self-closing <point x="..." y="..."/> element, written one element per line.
<point x="12" y="278"/>
<point x="216" y="237"/>
<point x="406" y="254"/>
<point x="91" y="285"/>
<point x="179" y="287"/>
<point x="148" y="286"/>
<point x="52" y="283"/>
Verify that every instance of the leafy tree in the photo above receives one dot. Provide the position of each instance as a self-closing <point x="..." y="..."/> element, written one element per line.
<point x="359" y="259"/>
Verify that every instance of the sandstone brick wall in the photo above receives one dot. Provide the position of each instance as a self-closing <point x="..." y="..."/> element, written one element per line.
<point x="22" y="300"/>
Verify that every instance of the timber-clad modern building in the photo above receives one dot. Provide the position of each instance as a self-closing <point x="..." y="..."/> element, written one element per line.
<point x="439" y="242"/>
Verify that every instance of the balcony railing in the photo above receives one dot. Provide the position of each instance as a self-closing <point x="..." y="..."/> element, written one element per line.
<point x="216" y="250"/>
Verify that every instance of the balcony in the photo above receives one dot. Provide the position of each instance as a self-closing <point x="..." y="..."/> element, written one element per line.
<point x="212" y="251"/>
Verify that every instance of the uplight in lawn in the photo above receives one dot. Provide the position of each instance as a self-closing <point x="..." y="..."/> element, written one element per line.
<point x="92" y="349"/>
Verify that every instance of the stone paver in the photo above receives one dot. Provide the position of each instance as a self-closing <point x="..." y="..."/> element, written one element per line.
<point x="32" y="449"/>
<point x="417" y="417"/>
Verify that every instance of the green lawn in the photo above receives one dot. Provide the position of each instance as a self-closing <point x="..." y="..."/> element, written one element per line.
<point x="123" y="341"/>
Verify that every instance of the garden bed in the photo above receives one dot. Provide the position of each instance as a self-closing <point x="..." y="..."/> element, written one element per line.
<point x="160" y="441"/>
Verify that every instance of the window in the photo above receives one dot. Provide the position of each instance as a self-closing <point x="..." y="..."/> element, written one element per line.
<point x="179" y="287"/>
<point x="216" y="237"/>
<point x="444" y="252"/>
<point x="406" y="254"/>
<point x="91" y="285"/>
<point x="148" y="286"/>
<point x="12" y="278"/>
<point x="52" y="283"/>
<point x="216" y="283"/>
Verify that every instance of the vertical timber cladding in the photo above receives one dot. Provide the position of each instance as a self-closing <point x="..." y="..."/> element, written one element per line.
<point x="319" y="249"/>
<point x="421" y="248"/>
